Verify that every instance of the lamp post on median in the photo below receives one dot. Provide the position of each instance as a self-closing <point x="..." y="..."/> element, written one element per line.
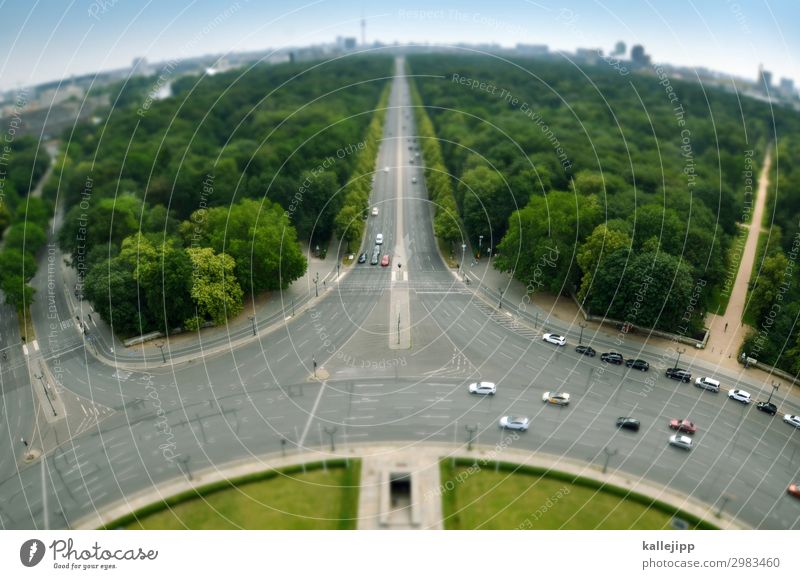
<point x="480" y="242"/>
<point x="775" y="387"/>
<point x="500" y="299"/>
<point x="40" y="377"/>
<point x="580" y="338"/>
<point x="609" y="453"/>
<point x="161" y="347"/>
<point x="314" y="363"/>
<point x="398" y="328"/>
<point x="463" y="249"/>
<point x="316" y="285"/>
<point x="678" y="360"/>
<point x="253" y="323"/>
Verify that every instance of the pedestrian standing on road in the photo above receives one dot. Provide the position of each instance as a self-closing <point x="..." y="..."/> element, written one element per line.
<point x="25" y="442"/>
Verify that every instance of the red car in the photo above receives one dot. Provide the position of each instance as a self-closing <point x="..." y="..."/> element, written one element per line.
<point x="385" y="260"/>
<point x="683" y="425"/>
<point x="794" y="490"/>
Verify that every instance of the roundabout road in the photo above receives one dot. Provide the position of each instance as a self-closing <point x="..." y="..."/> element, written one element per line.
<point x="254" y="400"/>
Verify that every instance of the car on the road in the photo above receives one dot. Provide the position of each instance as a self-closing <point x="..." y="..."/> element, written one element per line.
<point x="586" y="351"/>
<point x="681" y="441"/>
<point x="386" y="169"/>
<point x="794" y="490"/>
<point x="767" y="407"/>
<point x="379" y="239"/>
<point x="385" y="260"/>
<point x="557" y="398"/>
<point x="641" y="365"/>
<point x="483" y="388"/>
<point x="683" y="425"/>
<point x="554" y="339"/>
<point x="413" y="179"/>
<point x="612" y="358"/>
<point x="678" y="374"/>
<point x="739" y="395"/>
<point x="792" y="419"/>
<point x="707" y="383"/>
<point x="628" y="423"/>
<point x="376" y="256"/>
<point x="362" y="258"/>
<point x="374" y="211"/>
<point x="515" y="422"/>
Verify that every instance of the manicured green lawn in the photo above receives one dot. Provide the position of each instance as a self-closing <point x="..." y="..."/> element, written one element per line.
<point x="317" y="499"/>
<point x="503" y="500"/>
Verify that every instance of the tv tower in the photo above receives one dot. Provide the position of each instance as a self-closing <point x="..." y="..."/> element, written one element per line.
<point x="363" y="30"/>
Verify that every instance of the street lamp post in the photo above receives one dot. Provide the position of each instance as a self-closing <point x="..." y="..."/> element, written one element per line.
<point x="330" y="432"/>
<point x="337" y="271"/>
<point x="283" y="445"/>
<point x="678" y="360"/>
<point x="253" y="323"/>
<point x="292" y="307"/>
<point x="161" y="347"/>
<point x="316" y="285"/>
<point x="500" y="299"/>
<point x="580" y="338"/>
<point x="463" y="249"/>
<point x="40" y="377"/>
<point x="480" y="242"/>
<point x="471" y="430"/>
<point x="775" y="387"/>
<point x="314" y="363"/>
<point x="609" y="453"/>
<point x="398" y="328"/>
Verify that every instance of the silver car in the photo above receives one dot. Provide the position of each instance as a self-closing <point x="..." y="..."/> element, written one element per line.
<point x="740" y="396"/>
<point x="792" y="419"/>
<point x="681" y="441"/>
<point x="515" y="422"/>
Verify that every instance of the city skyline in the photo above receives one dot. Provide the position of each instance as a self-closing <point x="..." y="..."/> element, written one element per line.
<point x="98" y="36"/>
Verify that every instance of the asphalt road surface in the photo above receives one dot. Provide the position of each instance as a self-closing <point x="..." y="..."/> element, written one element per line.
<point x="176" y="421"/>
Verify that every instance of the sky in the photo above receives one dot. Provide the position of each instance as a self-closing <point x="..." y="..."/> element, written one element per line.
<point x="45" y="40"/>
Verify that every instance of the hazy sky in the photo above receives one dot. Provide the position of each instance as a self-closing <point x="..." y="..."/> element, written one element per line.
<point x="50" y="39"/>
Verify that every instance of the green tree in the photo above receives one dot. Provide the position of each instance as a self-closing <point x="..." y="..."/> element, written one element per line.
<point x="487" y="202"/>
<point x="598" y="246"/>
<point x="766" y="290"/>
<point x="18" y="293"/>
<point x="215" y="291"/>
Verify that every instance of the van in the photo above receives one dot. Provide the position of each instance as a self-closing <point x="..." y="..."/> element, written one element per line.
<point x="379" y="239"/>
<point x="707" y="383"/>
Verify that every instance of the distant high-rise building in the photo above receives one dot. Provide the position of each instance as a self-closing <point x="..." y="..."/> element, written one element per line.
<point x="638" y="56"/>
<point x="619" y="49"/>
<point x="764" y="79"/>
<point x="787" y="87"/>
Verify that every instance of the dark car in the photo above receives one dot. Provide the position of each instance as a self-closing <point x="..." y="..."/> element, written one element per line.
<point x="678" y="374"/>
<point x="586" y="350"/>
<point x="638" y="365"/>
<point x="362" y="258"/>
<point x="376" y="255"/>
<point x="612" y="358"/>
<point x="767" y="407"/>
<point x="628" y="423"/>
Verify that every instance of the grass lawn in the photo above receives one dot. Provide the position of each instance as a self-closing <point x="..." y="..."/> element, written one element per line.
<point x="504" y="500"/>
<point x="317" y="499"/>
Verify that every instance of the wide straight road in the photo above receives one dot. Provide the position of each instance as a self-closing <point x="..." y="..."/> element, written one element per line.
<point x="374" y="383"/>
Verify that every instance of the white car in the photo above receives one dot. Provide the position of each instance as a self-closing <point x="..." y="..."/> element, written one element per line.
<point x="707" y="383"/>
<point x="386" y="169"/>
<point x="413" y="179"/>
<point x="483" y="388"/>
<point x="557" y="398"/>
<point x="681" y="441"/>
<point x="794" y="420"/>
<point x="515" y="422"/>
<point x="374" y="211"/>
<point x="379" y="239"/>
<point x="555" y="339"/>
<point x="739" y="396"/>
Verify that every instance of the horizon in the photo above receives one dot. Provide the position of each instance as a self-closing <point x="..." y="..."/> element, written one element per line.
<point x="728" y="44"/>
